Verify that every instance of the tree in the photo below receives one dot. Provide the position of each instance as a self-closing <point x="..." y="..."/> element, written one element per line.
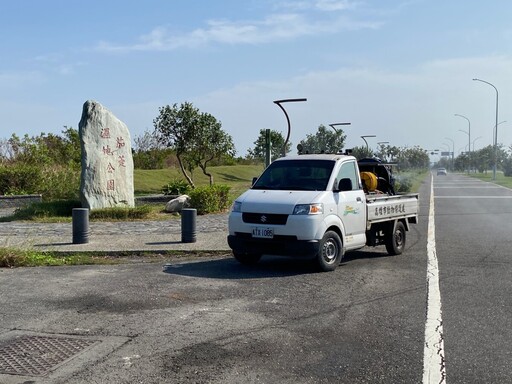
<point x="196" y="138"/>
<point x="324" y="141"/>
<point x="210" y="142"/>
<point x="276" y="148"/>
<point x="415" y="157"/>
<point x="361" y="152"/>
<point x="148" y="152"/>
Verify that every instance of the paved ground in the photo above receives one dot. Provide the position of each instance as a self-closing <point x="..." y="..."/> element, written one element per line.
<point x="211" y="233"/>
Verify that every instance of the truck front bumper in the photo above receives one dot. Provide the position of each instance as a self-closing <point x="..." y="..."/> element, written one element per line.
<point x="279" y="245"/>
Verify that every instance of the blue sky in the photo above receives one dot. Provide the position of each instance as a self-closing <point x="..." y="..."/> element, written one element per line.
<point x="397" y="69"/>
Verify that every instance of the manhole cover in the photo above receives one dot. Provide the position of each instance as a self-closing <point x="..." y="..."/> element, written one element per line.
<point x="38" y="355"/>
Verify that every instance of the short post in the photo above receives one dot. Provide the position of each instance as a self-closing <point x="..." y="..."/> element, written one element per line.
<point x="188" y="225"/>
<point x="80" y="225"/>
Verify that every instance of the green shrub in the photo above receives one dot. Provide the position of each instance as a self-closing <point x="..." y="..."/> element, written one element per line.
<point x="20" y="179"/>
<point x="51" y="181"/>
<point x="176" y="187"/>
<point x="210" y="199"/>
<point x="60" y="208"/>
<point x="60" y="182"/>
<point x="403" y="184"/>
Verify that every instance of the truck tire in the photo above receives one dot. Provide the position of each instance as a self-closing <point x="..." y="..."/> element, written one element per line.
<point x="395" y="239"/>
<point x="247" y="258"/>
<point x="330" y="253"/>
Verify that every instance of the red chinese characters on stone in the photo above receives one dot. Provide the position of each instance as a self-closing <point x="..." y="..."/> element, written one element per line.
<point x="120" y="143"/>
<point x="107" y="150"/>
<point x="105" y="133"/>
<point x="110" y="168"/>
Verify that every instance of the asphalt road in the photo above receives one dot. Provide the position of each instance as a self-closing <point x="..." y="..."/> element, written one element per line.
<point x="212" y="320"/>
<point x="473" y="237"/>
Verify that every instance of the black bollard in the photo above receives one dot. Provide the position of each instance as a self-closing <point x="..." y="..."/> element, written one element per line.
<point x="188" y="225"/>
<point x="80" y="225"/>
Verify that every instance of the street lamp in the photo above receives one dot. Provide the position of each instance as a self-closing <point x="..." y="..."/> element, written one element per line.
<point x="335" y="124"/>
<point x="453" y="150"/>
<point x="479" y="137"/>
<point x="495" y="133"/>
<point x="469" y="139"/>
<point x="493" y="129"/>
<point x="279" y="102"/>
<point x="469" y="149"/>
<point x="364" y="138"/>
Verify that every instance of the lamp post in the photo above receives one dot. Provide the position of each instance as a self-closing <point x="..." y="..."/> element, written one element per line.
<point x="335" y="124"/>
<point x="479" y="137"/>
<point x="495" y="132"/>
<point x="279" y="102"/>
<point x="469" y="149"/>
<point x="364" y="138"/>
<point x="469" y="139"/>
<point x="453" y="151"/>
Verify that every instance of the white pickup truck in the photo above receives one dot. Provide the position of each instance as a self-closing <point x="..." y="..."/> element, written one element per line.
<point x="320" y="206"/>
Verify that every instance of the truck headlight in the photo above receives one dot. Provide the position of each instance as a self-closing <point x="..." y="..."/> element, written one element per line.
<point x="308" y="209"/>
<point x="237" y="207"/>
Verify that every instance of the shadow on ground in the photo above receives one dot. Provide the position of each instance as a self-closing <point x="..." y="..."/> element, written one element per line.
<point x="267" y="267"/>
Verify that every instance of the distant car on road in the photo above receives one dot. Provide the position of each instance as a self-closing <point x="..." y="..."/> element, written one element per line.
<point x="441" y="172"/>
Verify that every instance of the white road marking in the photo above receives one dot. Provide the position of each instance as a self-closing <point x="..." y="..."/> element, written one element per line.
<point x="473" y="197"/>
<point x="434" y="368"/>
<point x="469" y="187"/>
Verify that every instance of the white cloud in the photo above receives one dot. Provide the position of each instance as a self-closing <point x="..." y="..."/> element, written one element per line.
<point x="321" y="5"/>
<point x="275" y="27"/>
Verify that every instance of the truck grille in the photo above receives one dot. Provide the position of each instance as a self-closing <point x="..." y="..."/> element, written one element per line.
<point x="264" y="218"/>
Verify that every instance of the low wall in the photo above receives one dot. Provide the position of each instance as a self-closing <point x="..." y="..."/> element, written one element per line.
<point x="17" y="201"/>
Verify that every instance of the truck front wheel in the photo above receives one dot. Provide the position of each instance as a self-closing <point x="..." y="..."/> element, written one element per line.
<point x="247" y="258"/>
<point x="330" y="253"/>
<point x="395" y="239"/>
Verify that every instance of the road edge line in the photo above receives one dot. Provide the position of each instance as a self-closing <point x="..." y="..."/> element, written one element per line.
<point x="434" y="367"/>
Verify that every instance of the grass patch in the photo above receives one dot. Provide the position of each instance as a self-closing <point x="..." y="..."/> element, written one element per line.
<point x="16" y="258"/>
<point x="501" y="179"/>
<point x="237" y="177"/>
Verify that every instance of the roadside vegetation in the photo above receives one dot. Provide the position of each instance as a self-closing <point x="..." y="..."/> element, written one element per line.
<point x="501" y="179"/>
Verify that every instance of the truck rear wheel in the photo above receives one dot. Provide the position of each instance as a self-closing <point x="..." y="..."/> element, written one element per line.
<point x="395" y="239"/>
<point x="247" y="258"/>
<point x="330" y="252"/>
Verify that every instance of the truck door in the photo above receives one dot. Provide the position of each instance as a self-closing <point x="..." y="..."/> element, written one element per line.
<point x="352" y="206"/>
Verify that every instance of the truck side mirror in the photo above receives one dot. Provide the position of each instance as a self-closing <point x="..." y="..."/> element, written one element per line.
<point x="345" y="184"/>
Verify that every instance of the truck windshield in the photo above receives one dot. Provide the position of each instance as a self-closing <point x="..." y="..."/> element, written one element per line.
<point x="296" y="175"/>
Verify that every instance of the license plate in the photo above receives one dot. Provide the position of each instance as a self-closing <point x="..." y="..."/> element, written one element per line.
<point x="266" y="233"/>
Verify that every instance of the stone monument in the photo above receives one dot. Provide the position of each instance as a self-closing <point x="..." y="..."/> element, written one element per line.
<point x="107" y="163"/>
